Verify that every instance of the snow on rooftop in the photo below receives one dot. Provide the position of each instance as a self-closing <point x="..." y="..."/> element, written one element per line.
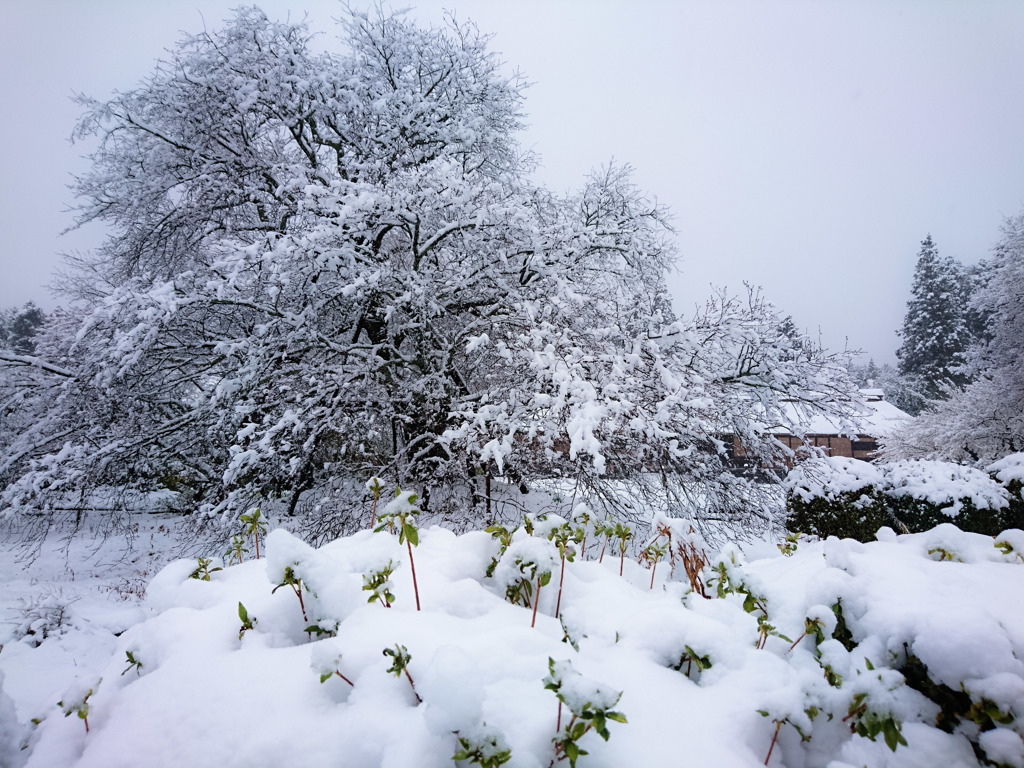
<point x="878" y="419"/>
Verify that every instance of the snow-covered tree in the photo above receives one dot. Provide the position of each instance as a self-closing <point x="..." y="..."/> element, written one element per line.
<point x="328" y="265"/>
<point x="18" y="328"/>
<point x="935" y="335"/>
<point x="985" y="420"/>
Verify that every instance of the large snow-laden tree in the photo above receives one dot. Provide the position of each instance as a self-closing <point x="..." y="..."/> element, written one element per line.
<point x="983" y="421"/>
<point x="332" y="265"/>
<point x="935" y="331"/>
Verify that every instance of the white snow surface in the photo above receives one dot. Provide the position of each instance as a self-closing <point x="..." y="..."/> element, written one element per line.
<point x="203" y="696"/>
<point x="941" y="482"/>
<point x="1008" y="468"/>
<point x="832" y="476"/>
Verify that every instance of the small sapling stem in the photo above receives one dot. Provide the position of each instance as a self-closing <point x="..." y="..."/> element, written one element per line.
<point x="344" y="678"/>
<point x="561" y="578"/>
<point x="412" y="565"/>
<point x="375" y="488"/>
<point x="778" y="725"/>
<point x="536" y="603"/>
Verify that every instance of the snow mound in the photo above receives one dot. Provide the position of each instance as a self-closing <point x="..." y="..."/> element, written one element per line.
<point x="778" y="663"/>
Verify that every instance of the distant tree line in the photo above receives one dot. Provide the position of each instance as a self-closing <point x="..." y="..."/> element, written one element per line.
<point x="959" y="366"/>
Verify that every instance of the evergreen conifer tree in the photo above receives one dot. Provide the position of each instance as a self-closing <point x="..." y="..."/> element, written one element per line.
<point x="935" y="333"/>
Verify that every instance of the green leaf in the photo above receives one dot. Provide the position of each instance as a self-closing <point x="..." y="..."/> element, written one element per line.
<point x="892" y="736"/>
<point x="618" y="717"/>
<point x="325" y="676"/>
<point x="412" y="534"/>
<point x="572" y="752"/>
<point x="243" y="614"/>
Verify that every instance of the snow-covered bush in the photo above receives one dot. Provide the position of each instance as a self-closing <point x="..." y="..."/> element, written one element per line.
<point x="898" y="652"/>
<point x="923" y="494"/>
<point x="836" y="496"/>
<point x="850" y="498"/>
<point x="1009" y="472"/>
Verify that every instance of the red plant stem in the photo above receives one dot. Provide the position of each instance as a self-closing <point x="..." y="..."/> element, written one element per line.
<point x="622" y="560"/>
<point x="536" y="603"/>
<point x="86" y="721"/>
<point x="561" y="578"/>
<point x="654" y="569"/>
<point x="412" y="685"/>
<point x="302" y="605"/>
<point x="583" y="549"/>
<point x="383" y="602"/>
<point x="373" y="515"/>
<point x="797" y="641"/>
<point x="415" y="586"/>
<point x="256" y="538"/>
<point x="558" y="723"/>
<point x="603" y="548"/>
<point x="778" y="724"/>
<point x="858" y="711"/>
<point x="344" y="678"/>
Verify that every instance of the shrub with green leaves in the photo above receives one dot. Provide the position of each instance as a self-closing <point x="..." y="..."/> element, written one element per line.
<point x="76" y="702"/>
<point x="589" y="704"/>
<point x="378" y="584"/>
<point x="203" y="570"/>
<point x="255" y="526"/>
<point x="486" y="748"/>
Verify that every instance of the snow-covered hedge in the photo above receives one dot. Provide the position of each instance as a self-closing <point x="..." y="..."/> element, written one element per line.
<point x="837" y="497"/>
<point x="1009" y="472"/>
<point x="923" y="494"/>
<point x="895" y="653"/>
<point x="850" y="498"/>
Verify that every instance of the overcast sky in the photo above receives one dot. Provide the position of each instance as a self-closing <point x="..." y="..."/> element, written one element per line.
<point x="806" y="147"/>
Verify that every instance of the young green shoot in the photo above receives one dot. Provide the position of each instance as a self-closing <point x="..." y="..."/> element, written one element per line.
<point x="78" y="706"/>
<point x="653" y="553"/>
<point x="590" y="712"/>
<point x="378" y="584"/>
<point x="254" y="527"/>
<point x="247" y="623"/>
<point x="607" y="532"/>
<point x="563" y="537"/>
<point x="400" y="659"/>
<point x="815" y="627"/>
<point x="623" y="533"/>
<point x="236" y="551"/>
<point x="133" y="663"/>
<point x="582" y="519"/>
<point x="488" y="750"/>
<point x="374" y="487"/>
<point x="295" y="582"/>
<point x="401" y="512"/>
<point x="504" y="538"/>
<point x="203" y="570"/>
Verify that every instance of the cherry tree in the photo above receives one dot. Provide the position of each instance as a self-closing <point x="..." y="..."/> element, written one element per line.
<point x="328" y="266"/>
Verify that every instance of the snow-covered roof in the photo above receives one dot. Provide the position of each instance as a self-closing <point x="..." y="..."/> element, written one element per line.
<point x="879" y="418"/>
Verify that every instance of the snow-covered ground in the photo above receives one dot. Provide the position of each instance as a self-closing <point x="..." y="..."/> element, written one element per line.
<point x="719" y="680"/>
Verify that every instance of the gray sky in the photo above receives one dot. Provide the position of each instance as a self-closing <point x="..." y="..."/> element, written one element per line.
<point x="806" y="147"/>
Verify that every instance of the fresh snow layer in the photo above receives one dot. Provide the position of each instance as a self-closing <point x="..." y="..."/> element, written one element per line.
<point x="695" y="687"/>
